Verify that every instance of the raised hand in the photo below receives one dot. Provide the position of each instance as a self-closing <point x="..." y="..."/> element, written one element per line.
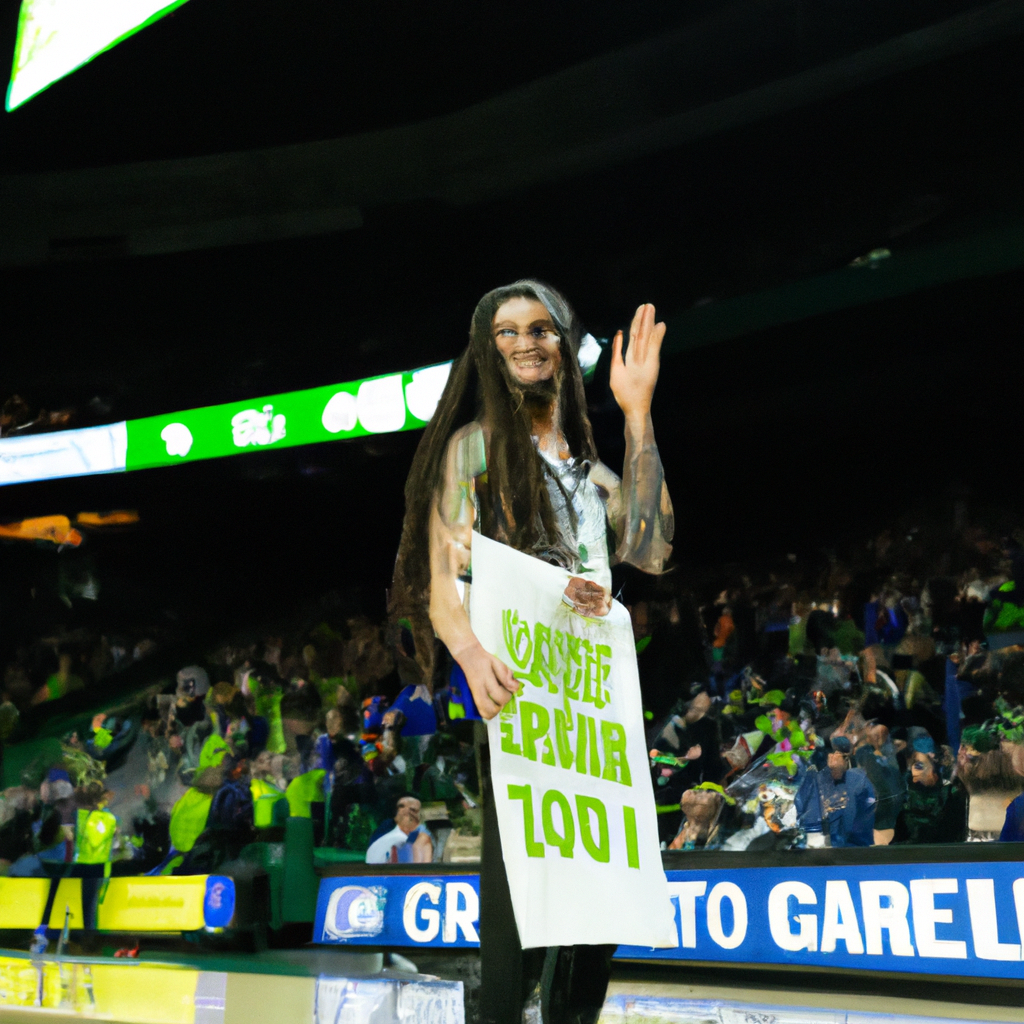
<point x="633" y="377"/>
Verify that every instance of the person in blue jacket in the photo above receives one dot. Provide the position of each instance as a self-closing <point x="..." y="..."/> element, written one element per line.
<point x="839" y="801"/>
<point x="1013" y="826"/>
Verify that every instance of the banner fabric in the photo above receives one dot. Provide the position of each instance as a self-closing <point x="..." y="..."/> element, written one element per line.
<point x="569" y="763"/>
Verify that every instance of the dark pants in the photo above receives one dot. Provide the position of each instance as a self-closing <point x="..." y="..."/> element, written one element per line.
<point x="573" y="980"/>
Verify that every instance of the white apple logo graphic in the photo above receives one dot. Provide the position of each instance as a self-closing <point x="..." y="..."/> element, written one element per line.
<point x="178" y="439"/>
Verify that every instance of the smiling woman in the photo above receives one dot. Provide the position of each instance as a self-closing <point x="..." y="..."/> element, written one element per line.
<point x="510" y="454"/>
<point x="531" y="346"/>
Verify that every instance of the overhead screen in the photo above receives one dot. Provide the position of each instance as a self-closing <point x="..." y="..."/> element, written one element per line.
<point x="55" y="37"/>
<point x="334" y="412"/>
<point x="377" y="405"/>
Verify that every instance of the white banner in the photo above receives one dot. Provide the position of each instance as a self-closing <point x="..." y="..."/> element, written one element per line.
<point x="569" y="763"/>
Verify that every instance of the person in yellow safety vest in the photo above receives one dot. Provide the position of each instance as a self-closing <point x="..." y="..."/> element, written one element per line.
<point x="304" y="790"/>
<point x="95" y="829"/>
<point x="266" y="700"/>
<point x="189" y="814"/>
<point x="265" y="796"/>
<point x="94" y="836"/>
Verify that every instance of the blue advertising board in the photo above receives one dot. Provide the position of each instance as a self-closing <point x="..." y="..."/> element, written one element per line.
<point x="949" y="919"/>
<point x="957" y="919"/>
<point x="399" y="910"/>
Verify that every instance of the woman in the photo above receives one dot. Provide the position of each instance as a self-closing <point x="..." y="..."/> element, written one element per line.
<point x="510" y="453"/>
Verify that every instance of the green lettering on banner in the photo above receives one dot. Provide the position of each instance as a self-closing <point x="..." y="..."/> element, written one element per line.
<point x="534" y="719"/>
<point x="595" y="755"/>
<point x="581" y="744"/>
<point x="564" y="843"/>
<point x="632" y="847"/>
<point x="597" y="671"/>
<point x="592" y="817"/>
<point x="545" y="663"/>
<point x="535" y="731"/>
<point x="573" y="670"/>
<point x="562" y="724"/>
<point x="525" y="793"/>
<point x="508" y="743"/>
<point x="616" y="767"/>
<point x="549" y="657"/>
<point x="601" y="850"/>
<point x="517" y="639"/>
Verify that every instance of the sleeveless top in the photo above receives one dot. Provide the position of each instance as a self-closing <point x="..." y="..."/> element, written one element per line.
<point x="581" y="547"/>
<point x="582" y="550"/>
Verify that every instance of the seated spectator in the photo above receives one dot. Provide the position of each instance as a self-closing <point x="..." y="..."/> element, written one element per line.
<point x="936" y="808"/>
<point x="837" y="803"/>
<point x="701" y="807"/>
<point x="300" y="709"/>
<point x="193" y="684"/>
<point x="986" y="769"/>
<point x="333" y="746"/>
<point x="692" y="741"/>
<point x="407" y="842"/>
<point x="109" y="739"/>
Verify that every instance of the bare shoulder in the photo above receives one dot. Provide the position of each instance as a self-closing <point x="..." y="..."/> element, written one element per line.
<point x="467" y="449"/>
<point x="469" y="432"/>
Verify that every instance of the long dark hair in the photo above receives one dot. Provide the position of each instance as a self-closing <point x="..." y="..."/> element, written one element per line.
<point x="514" y="504"/>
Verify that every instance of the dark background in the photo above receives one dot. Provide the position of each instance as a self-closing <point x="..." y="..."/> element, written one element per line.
<point x="797" y="438"/>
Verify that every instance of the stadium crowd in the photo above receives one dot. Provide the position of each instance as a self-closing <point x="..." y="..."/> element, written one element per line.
<point x="854" y="709"/>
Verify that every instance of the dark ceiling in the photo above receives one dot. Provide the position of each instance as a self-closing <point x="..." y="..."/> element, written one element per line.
<point x="912" y="151"/>
<point x="750" y="168"/>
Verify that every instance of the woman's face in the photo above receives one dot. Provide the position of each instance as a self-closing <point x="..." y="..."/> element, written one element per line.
<point x="526" y="337"/>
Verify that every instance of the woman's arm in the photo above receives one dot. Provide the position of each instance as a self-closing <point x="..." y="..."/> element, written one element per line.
<point x="639" y="506"/>
<point x="451" y="536"/>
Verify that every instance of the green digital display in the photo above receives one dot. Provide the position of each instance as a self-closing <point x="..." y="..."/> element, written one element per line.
<point x="403" y="400"/>
<point x="377" y="405"/>
<point x="56" y="37"/>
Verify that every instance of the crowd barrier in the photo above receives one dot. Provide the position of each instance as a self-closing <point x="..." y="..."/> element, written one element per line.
<point x="953" y="912"/>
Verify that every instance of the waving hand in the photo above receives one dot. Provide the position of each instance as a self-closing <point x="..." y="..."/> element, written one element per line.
<point x="633" y="377"/>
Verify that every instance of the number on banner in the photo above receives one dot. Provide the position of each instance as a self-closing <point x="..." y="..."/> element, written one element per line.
<point x="563" y="827"/>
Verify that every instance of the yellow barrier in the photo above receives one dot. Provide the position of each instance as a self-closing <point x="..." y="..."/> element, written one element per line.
<point x="127" y="991"/>
<point x="128" y="904"/>
<point x="163" y="904"/>
<point x="23" y="900"/>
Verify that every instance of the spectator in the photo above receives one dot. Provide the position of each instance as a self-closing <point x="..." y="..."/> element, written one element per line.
<point x="60" y="683"/>
<point x="936" y="808"/>
<point x="407" y="842"/>
<point x="838" y="803"/>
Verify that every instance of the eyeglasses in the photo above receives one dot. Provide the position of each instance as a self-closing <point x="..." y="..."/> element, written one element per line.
<point x="536" y="334"/>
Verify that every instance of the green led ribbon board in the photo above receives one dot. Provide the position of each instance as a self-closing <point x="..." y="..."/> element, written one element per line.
<point x="56" y="37"/>
<point x="377" y="405"/>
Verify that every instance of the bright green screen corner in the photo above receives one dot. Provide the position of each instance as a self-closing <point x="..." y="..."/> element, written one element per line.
<point x="56" y="37"/>
<point x="378" y="405"/>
